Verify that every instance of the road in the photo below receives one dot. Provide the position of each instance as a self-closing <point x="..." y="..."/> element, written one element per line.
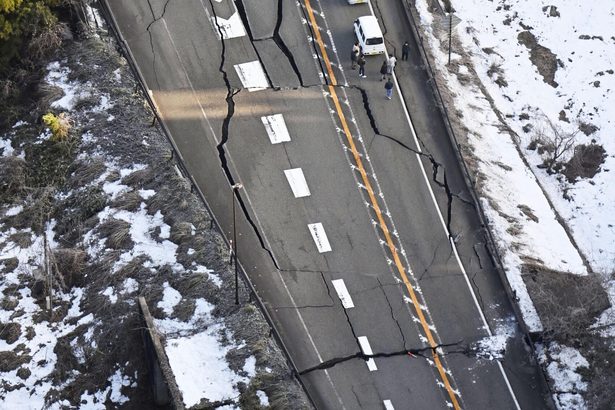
<point x="377" y="279"/>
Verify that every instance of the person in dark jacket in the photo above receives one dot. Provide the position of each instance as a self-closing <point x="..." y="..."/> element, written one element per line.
<point x="389" y="88"/>
<point x="383" y="70"/>
<point x="361" y="63"/>
<point x="405" y="49"/>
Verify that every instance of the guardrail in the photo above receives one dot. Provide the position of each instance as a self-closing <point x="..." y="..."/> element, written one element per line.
<point x="125" y="51"/>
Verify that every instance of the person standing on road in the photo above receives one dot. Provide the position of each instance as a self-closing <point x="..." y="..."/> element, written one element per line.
<point x="405" y="49"/>
<point x="362" y="66"/>
<point x="384" y="69"/>
<point x="388" y="86"/>
<point x="355" y="54"/>
<point x="391" y="65"/>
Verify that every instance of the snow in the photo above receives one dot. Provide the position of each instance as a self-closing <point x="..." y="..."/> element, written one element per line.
<point x="493" y="347"/>
<point x="130" y="285"/>
<point x="58" y="76"/>
<point x="15" y="210"/>
<point x="110" y="293"/>
<point x="606" y="322"/>
<point x="584" y="62"/>
<point x="200" y="367"/>
<point x="6" y="147"/>
<point x="250" y="366"/>
<point x="19" y="124"/>
<point x="170" y="299"/>
<point x="146" y="193"/>
<point x="563" y="363"/>
<point x="262" y="397"/>
<point x="533" y="235"/>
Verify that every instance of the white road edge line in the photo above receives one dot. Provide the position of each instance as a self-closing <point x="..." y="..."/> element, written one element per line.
<point x="342" y="293"/>
<point x="435" y="202"/>
<point x="367" y="349"/>
<point x="297" y="182"/>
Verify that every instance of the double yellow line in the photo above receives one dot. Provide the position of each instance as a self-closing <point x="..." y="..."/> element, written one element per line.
<point x="372" y="197"/>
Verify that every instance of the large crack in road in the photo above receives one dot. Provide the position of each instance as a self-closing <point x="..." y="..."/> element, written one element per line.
<point x="151" y="37"/>
<point x="231" y="92"/>
<point x="439" y="350"/>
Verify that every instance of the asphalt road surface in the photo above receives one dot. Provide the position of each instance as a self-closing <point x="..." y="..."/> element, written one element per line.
<point x="366" y="250"/>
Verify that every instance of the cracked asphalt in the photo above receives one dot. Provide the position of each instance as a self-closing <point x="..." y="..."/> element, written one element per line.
<point x="188" y="64"/>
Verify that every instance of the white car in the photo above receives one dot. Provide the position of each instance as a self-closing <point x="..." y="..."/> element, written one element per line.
<point x="369" y="35"/>
<point x="357" y="1"/>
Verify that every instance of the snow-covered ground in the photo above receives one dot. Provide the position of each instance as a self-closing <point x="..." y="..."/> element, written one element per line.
<point x="521" y="200"/>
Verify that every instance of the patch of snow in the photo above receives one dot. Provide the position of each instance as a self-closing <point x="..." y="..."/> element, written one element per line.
<point x="19" y="124"/>
<point x="117" y="75"/>
<point x="58" y="76"/>
<point x="262" y="398"/>
<point x="87" y="137"/>
<point x="210" y="274"/>
<point x="110" y="293"/>
<point x="170" y="298"/>
<point x="165" y="231"/>
<point x="250" y="366"/>
<point x="15" y="210"/>
<point x="130" y="285"/>
<point x="6" y="147"/>
<point x="202" y="354"/>
<point x="494" y="347"/>
<point x="190" y="251"/>
<point x="562" y="365"/>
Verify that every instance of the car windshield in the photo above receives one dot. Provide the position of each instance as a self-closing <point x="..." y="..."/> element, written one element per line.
<point x="373" y="41"/>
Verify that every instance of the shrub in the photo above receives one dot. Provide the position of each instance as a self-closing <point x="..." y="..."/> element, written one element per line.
<point x="22" y="24"/>
<point x="58" y="124"/>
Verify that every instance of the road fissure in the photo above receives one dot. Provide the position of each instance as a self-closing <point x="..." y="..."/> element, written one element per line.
<point x="383" y="225"/>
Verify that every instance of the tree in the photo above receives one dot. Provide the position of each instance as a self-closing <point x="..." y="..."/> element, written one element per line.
<point x="554" y="143"/>
<point x="22" y="24"/>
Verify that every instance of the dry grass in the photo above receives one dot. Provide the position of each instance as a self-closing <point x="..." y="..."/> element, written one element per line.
<point x="13" y="181"/>
<point x="181" y="232"/>
<point x="86" y="172"/>
<point x="117" y="233"/>
<point x="129" y="201"/>
<point x="140" y="178"/>
<point x="71" y="263"/>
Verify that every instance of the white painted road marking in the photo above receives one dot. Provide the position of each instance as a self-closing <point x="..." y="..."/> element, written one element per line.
<point x="320" y="237"/>
<point x="342" y="292"/>
<point x="367" y="349"/>
<point x="276" y="128"/>
<point x="252" y="75"/>
<point x="297" y="182"/>
<point x="231" y="28"/>
<point x="388" y="405"/>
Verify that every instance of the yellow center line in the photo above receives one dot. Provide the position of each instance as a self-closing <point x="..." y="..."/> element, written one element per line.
<point x="381" y="221"/>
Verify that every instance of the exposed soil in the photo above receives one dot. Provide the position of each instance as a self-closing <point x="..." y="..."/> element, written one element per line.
<point x="542" y="58"/>
<point x="585" y="162"/>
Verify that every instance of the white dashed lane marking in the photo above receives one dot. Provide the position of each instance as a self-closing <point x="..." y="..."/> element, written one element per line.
<point x="342" y="292"/>
<point x="367" y="349"/>
<point x="297" y="182"/>
<point x="320" y="237"/>
<point x="388" y="405"/>
<point x="276" y="128"/>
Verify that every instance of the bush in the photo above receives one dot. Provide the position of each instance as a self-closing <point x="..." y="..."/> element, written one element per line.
<point x="24" y="23"/>
<point x="58" y="124"/>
